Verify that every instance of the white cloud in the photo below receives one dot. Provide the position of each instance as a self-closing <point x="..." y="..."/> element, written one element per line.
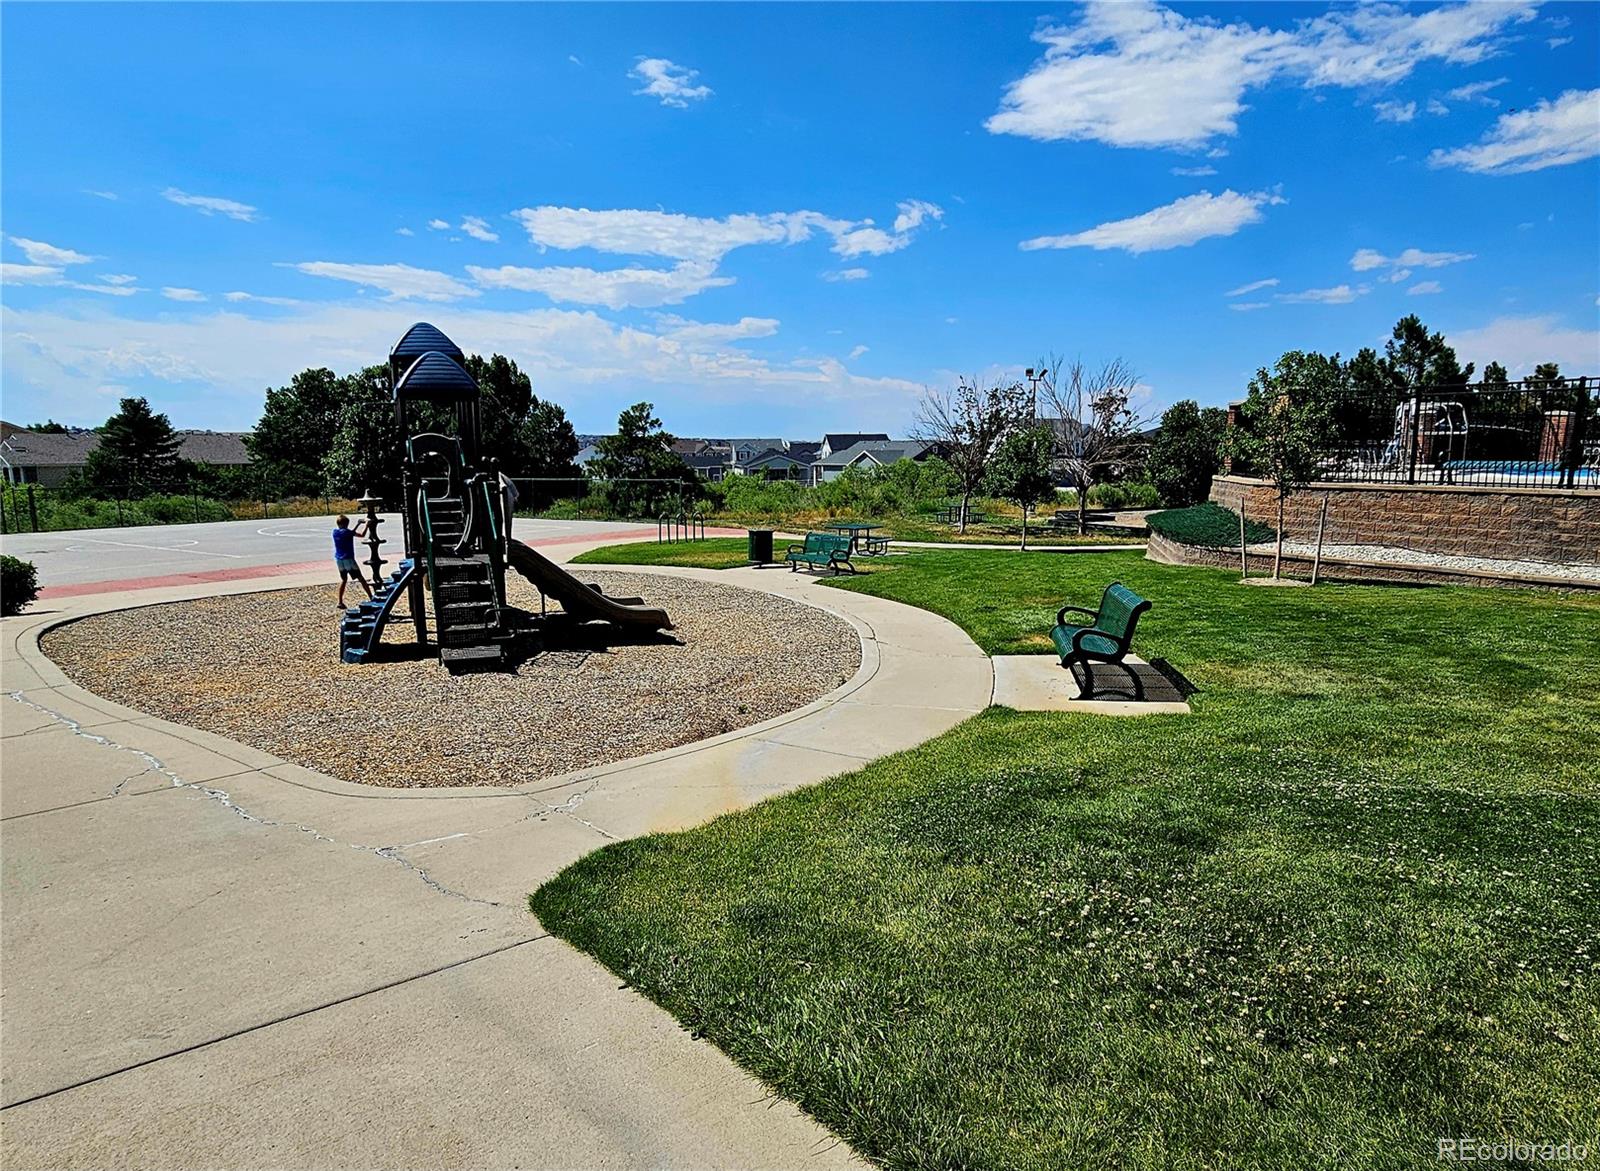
<point x="1395" y="111"/>
<point x="1550" y="134"/>
<point x="590" y="364"/>
<point x="478" y="228"/>
<point x="857" y="352"/>
<point x="1176" y="225"/>
<point x="404" y="232"/>
<point x="672" y="83"/>
<point x="573" y="57"/>
<point x="1252" y="287"/>
<point x="635" y="232"/>
<point x="38" y="252"/>
<point x="1477" y="91"/>
<point x="117" y="278"/>
<point x="1338" y="295"/>
<point x="1194" y="172"/>
<point x="913" y="212"/>
<point x="1249" y="306"/>
<point x="29" y="274"/>
<point x="846" y="274"/>
<point x="1435" y="106"/>
<point x="1557" y="42"/>
<point x="1423" y="288"/>
<point x="437" y="225"/>
<point x="117" y="290"/>
<point x="401" y="282"/>
<point x="1521" y="343"/>
<point x="238" y="297"/>
<point x="212" y="205"/>
<point x="1137" y="74"/>
<point x="111" y="195"/>
<point x="1399" y="267"/>
<point x="613" y="288"/>
<point x="172" y="293"/>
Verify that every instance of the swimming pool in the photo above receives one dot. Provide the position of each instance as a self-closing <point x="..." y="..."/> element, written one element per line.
<point x="1526" y="471"/>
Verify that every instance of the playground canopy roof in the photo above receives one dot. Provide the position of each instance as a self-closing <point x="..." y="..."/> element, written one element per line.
<point x="435" y="376"/>
<point x="423" y="338"/>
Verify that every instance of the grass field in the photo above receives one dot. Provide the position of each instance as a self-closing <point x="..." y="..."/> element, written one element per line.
<point x="1347" y="907"/>
<point x="711" y="553"/>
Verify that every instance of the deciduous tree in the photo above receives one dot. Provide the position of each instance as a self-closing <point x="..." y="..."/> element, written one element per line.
<point x="1096" y="425"/>
<point x="1184" y="453"/>
<point x="966" y="425"/>
<point x="1020" y="471"/>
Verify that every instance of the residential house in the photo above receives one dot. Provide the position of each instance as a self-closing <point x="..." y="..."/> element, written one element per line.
<point x="774" y="464"/>
<point x="47" y="459"/>
<point x="866" y="455"/>
<point x="834" y="443"/>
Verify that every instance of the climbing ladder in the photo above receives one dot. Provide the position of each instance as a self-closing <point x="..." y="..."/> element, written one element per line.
<point x="465" y="607"/>
<point x="361" y="629"/>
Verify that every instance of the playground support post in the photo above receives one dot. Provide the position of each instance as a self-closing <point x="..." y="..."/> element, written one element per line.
<point x="370" y="503"/>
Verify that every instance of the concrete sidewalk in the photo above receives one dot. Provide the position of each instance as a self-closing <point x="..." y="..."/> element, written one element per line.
<point x="215" y="958"/>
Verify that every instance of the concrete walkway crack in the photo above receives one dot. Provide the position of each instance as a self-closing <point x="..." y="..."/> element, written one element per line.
<point x="153" y="764"/>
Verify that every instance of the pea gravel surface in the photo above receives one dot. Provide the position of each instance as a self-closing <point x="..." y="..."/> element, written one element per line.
<point x="263" y="669"/>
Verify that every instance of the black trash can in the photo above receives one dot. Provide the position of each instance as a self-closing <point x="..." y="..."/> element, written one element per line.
<point x="761" y="546"/>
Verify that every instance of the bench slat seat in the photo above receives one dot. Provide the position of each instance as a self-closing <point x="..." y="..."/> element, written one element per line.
<point x="1105" y="637"/>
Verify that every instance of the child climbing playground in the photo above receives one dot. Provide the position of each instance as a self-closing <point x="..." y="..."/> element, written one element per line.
<point x="344" y="554"/>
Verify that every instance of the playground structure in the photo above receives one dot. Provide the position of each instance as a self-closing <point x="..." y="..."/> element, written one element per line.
<point x="457" y="530"/>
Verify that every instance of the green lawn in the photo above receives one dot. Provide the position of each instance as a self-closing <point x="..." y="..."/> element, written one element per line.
<point x="1348" y="906"/>
<point x="711" y="553"/>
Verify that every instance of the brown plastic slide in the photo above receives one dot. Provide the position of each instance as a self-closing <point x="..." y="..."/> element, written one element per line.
<point x="583" y="602"/>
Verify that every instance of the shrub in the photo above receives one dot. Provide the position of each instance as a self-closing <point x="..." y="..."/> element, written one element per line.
<point x="1205" y="524"/>
<point x="19" y="584"/>
<point x="1130" y="494"/>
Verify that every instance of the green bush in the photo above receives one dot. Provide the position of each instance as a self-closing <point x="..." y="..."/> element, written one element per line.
<point x="1132" y="494"/>
<point x="1206" y="524"/>
<point x="19" y="584"/>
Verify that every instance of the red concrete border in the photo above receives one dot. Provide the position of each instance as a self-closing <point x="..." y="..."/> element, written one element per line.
<point x="245" y="573"/>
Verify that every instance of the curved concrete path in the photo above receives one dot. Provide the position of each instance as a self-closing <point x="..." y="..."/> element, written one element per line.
<point x="215" y="958"/>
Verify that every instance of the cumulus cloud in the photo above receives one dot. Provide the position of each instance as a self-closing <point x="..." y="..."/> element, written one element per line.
<point x="673" y="84"/>
<point x="212" y="205"/>
<point x="29" y="274"/>
<point x="437" y="225"/>
<point x="675" y="236"/>
<point x="404" y="232"/>
<point x="614" y="288"/>
<point x="1422" y="288"/>
<point x="1550" y="134"/>
<point x="857" y="352"/>
<point x="478" y="228"/>
<point x="173" y="293"/>
<point x="1178" y="224"/>
<point x="1395" y="111"/>
<point x="38" y="252"/>
<point x="583" y="360"/>
<point x="1521" y="343"/>
<point x="399" y="282"/>
<point x="1399" y="267"/>
<point x="1138" y="74"/>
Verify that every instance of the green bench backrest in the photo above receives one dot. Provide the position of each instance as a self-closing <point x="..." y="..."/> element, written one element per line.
<point x="826" y="543"/>
<point x="1119" y="612"/>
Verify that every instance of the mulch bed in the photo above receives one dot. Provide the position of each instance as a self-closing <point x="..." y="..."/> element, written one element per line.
<point x="263" y="669"/>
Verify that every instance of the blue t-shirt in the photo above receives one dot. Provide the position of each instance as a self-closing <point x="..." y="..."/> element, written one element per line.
<point x="344" y="545"/>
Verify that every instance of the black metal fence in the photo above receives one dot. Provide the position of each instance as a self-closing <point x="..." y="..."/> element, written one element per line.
<point x="1532" y="434"/>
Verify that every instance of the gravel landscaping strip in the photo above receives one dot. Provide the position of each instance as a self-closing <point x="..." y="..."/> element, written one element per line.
<point x="263" y="669"/>
<point x="1391" y="555"/>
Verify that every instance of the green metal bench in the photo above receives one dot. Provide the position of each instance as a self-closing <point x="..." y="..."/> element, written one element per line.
<point x="822" y="551"/>
<point x="1105" y="638"/>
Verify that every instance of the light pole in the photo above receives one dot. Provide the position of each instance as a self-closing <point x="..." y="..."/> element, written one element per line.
<point x="1034" y="377"/>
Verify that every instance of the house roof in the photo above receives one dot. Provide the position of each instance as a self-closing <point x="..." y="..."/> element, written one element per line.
<point x="33" y="449"/>
<point x="705" y="459"/>
<point x="773" y="455"/>
<point x="883" y="453"/>
<point x="37" y="449"/>
<point x="838" y="441"/>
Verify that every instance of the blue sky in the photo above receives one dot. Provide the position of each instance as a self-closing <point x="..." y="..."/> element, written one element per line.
<point x="783" y="219"/>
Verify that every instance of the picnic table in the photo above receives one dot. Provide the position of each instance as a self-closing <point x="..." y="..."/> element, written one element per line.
<point x="860" y="534"/>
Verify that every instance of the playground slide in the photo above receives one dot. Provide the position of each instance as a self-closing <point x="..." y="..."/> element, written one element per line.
<point x="581" y="601"/>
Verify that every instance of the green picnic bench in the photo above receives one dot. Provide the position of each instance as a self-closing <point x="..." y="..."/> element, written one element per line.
<point x="821" y="550"/>
<point x="1105" y="638"/>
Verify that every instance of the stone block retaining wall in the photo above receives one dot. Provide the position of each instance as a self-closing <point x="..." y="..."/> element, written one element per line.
<point x="1532" y="524"/>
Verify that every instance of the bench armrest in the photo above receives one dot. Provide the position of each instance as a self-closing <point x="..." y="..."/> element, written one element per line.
<point x="1061" y="614"/>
